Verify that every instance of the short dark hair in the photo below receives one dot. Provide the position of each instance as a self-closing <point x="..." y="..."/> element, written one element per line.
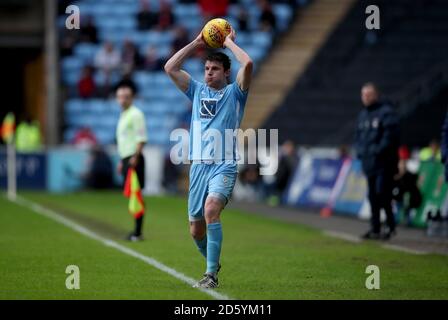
<point x="219" y="57"/>
<point x="126" y="84"/>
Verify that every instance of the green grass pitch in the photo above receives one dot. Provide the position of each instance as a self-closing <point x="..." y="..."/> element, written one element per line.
<point x="262" y="258"/>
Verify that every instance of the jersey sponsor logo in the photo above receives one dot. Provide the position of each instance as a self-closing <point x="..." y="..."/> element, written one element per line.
<point x="208" y="108"/>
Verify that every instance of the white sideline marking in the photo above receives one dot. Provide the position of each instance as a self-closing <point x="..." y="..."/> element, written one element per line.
<point x="110" y="243"/>
<point x="354" y="239"/>
<point x="404" y="249"/>
<point x="342" y="235"/>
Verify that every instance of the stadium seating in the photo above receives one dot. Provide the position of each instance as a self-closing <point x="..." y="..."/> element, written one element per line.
<point x="158" y="97"/>
<point x="322" y="106"/>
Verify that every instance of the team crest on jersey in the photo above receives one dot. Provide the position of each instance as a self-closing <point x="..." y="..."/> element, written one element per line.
<point x="208" y="108"/>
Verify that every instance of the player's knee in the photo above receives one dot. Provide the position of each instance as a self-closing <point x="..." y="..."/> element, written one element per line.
<point x="212" y="210"/>
<point x="197" y="230"/>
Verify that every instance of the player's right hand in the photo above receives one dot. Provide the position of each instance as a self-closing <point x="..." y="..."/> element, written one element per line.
<point x="200" y="39"/>
<point x="119" y="167"/>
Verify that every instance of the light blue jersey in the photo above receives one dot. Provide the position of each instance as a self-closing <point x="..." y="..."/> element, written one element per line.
<point x="215" y="114"/>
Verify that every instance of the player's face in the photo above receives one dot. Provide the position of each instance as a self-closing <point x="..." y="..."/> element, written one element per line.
<point x="124" y="97"/>
<point x="368" y="95"/>
<point x="215" y="76"/>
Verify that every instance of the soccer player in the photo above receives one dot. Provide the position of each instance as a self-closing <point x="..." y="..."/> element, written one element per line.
<point x="131" y="137"/>
<point x="217" y="105"/>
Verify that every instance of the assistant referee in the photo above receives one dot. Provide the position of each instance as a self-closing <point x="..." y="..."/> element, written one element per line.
<point x="131" y="138"/>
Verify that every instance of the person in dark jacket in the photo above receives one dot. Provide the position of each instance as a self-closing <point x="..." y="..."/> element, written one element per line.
<point x="406" y="192"/>
<point x="377" y="142"/>
<point x="444" y="146"/>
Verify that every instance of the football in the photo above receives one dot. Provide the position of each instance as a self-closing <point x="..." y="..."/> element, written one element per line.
<point x="215" y="32"/>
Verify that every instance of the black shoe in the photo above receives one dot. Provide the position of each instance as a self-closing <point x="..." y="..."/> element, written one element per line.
<point x="134" y="238"/>
<point x="209" y="281"/>
<point x="389" y="234"/>
<point x="370" y="235"/>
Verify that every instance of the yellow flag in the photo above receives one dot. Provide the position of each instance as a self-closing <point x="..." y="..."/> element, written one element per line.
<point x="133" y="191"/>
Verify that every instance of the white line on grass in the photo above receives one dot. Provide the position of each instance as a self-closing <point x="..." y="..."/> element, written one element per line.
<point x="342" y="235"/>
<point x="110" y="243"/>
<point x="354" y="239"/>
<point x="403" y="249"/>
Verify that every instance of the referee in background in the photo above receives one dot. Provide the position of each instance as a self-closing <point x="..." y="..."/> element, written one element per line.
<point x="131" y="138"/>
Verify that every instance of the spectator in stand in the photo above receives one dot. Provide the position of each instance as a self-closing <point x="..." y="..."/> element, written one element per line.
<point x="444" y="153"/>
<point x="146" y="19"/>
<point x="89" y="32"/>
<point x="68" y="39"/>
<point x="84" y="138"/>
<point x="130" y="57"/>
<point x="213" y="9"/>
<point x="86" y="84"/>
<point x="28" y="137"/>
<point x="268" y="21"/>
<point x="243" y="18"/>
<point x="249" y="185"/>
<point x="166" y="18"/>
<point x="405" y="191"/>
<point x="107" y="60"/>
<point x="171" y="173"/>
<point x="180" y="38"/>
<point x="152" y="61"/>
<point x="99" y="174"/>
<point x="286" y="166"/>
<point x="431" y="152"/>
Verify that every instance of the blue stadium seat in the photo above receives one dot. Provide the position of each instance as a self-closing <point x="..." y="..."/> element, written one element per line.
<point x="104" y="136"/>
<point x="111" y="24"/>
<point x="100" y="78"/>
<point x="69" y="135"/>
<point x="233" y="10"/>
<point x="163" y="50"/>
<point x="256" y="53"/>
<point x="162" y="103"/>
<point x="185" y="11"/>
<point x="72" y="63"/>
<point x="98" y="106"/>
<point x="261" y="39"/>
<point x="71" y="78"/>
<point x="193" y="65"/>
<point x="74" y="106"/>
<point x="283" y="14"/>
<point x="243" y="38"/>
<point x="192" y="25"/>
<point x="86" y="52"/>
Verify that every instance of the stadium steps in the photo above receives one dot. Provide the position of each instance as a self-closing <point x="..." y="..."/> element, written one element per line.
<point x="290" y="57"/>
<point x="322" y="107"/>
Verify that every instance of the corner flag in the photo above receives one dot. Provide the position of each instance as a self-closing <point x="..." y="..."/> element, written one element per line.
<point x="133" y="191"/>
<point x="8" y="125"/>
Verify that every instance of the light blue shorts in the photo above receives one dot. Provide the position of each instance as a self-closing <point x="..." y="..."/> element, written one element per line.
<point x="209" y="180"/>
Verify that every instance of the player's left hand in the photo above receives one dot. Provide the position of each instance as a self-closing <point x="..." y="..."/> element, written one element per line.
<point x="231" y="36"/>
